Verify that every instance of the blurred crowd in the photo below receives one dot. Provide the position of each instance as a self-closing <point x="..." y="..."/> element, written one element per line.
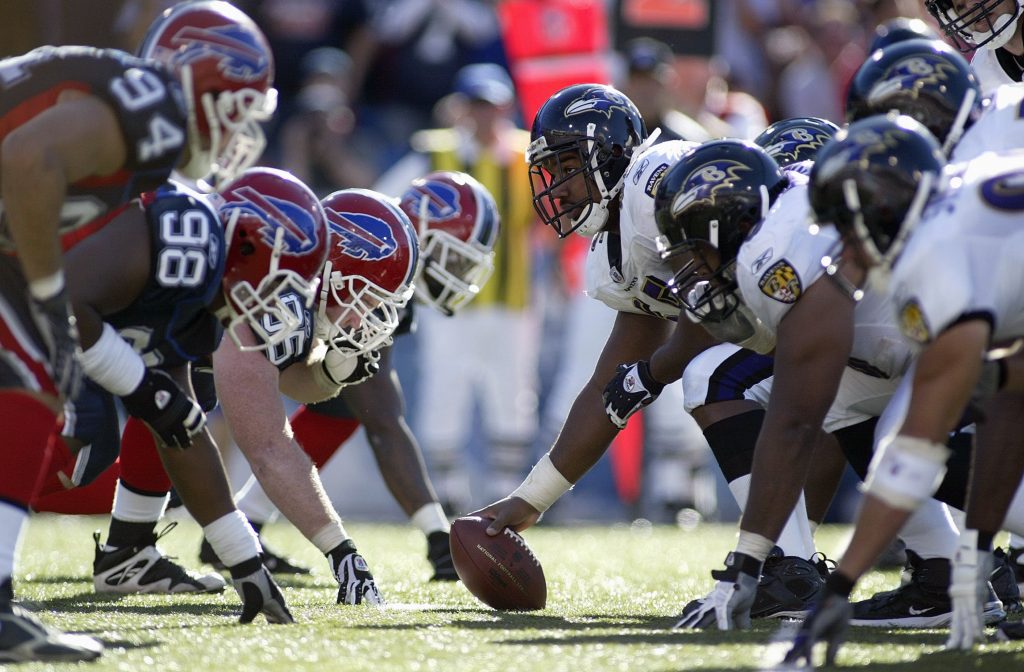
<point x="361" y="84"/>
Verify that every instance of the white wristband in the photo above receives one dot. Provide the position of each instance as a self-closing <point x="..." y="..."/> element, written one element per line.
<point x="47" y="287"/>
<point x="543" y="486"/>
<point x="113" y="363"/>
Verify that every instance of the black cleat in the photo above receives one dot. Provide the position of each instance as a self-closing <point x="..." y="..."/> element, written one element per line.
<point x="439" y="553"/>
<point x="24" y="638"/>
<point x="788" y="587"/>
<point x="921" y="602"/>
<point x="1010" y="631"/>
<point x="144" y="569"/>
<point x="1004" y="582"/>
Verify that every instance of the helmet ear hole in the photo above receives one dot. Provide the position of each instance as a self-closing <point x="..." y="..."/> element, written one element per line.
<point x="247" y="249"/>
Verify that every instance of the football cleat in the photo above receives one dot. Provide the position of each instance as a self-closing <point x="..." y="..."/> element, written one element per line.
<point x="1004" y="582"/>
<point x="24" y="638"/>
<point x="789" y="586"/>
<point x="1016" y="560"/>
<point x="277" y="564"/>
<point x="260" y="595"/>
<point x="1010" y="631"/>
<point x="921" y="602"/>
<point x="144" y="569"/>
<point x="439" y="553"/>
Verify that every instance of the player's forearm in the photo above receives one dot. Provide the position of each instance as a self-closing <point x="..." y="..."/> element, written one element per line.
<point x="292" y="484"/>
<point x="687" y="341"/>
<point x="585" y="436"/>
<point x="33" y="190"/>
<point x="401" y="466"/>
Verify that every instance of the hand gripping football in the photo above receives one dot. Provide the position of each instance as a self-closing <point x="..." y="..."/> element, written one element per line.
<point x="501" y="571"/>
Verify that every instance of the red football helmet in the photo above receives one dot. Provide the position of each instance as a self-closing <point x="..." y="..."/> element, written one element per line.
<point x="226" y="70"/>
<point x="369" y="272"/>
<point x="457" y="222"/>
<point x="277" y="239"/>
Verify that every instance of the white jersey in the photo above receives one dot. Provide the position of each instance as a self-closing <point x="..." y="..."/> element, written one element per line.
<point x="990" y="72"/>
<point x="1000" y="127"/>
<point x="966" y="258"/>
<point x="624" y="270"/>
<point x="782" y="259"/>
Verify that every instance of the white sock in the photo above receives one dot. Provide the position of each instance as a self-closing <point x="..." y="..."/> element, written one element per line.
<point x="930" y="532"/>
<point x="329" y="537"/>
<point x="232" y="538"/>
<point x="131" y="507"/>
<point x="1014" y="522"/>
<point x="430" y="518"/>
<point x="12" y="520"/>
<point x="796" y="538"/>
<point x="254" y="503"/>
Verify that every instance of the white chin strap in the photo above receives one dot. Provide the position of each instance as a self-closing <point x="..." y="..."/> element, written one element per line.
<point x="1000" y="28"/>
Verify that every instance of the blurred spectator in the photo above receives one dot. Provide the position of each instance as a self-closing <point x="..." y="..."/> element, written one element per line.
<point x="420" y="45"/>
<point x="650" y="84"/>
<point x="489" y="352"/>
<point x="744" y="114"/>
<point x="317" y="139"/>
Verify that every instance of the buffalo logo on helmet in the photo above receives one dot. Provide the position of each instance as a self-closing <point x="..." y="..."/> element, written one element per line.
<point x="442" y="199"/>
<point x="298" y="224"/>
<point x="241" y="58"/>
<point x="912" y="74"/>
<point x="701" y="185"/>
<point x="362" y="236"/>
<point x="598" y="100"/>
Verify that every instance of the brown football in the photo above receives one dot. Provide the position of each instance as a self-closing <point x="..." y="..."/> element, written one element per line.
<point x="501" y="571"/>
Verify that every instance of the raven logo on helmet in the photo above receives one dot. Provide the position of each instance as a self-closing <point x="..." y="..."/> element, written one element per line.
<point x="912" y="74"/>
<point x="241" y="57"/>
<point x="297" y="223"/>
<point x="791" y="144"/>
<point x="702" y="184"/>
<point x="362" y="236"/>
<point x="598" y="100"/>
<point x="865" y="143"/>
<point x="442" y="200"/>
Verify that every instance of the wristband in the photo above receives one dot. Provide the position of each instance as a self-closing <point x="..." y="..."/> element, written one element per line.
<point x="543" y="486"/>
<point x="48" y="287"/>
<point x="112" y="363"/>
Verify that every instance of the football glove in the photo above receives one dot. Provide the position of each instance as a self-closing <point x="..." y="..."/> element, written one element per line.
<point x="260" y="595"/>
<point x="172" y="415"/>
<point x="728" y="605"/>
<point x="59" y="330"/>
<point x="968" y="592"/>
<point x="355" y="582"/>
<point x="632" y="388"/>
<point x="828" y="621"/>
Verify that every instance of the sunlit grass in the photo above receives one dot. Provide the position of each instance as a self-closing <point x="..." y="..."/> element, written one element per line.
<point x="613" y="593"/>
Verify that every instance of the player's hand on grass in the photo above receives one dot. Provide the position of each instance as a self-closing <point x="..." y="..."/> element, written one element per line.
<point x="355" y="581"/>
<point x="260" y="595"/>
<point x="828" y="622"/>
<point x="510" y="512"/>
<point x="968" y="591"/>
<point x="727" y="606"/>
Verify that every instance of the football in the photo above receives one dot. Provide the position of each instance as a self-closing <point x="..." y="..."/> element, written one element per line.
<point x="501" y="571"/>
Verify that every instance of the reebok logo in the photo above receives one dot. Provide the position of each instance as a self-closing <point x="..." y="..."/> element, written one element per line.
<point x="918" y="612"/>
<point x="126" y="574"/>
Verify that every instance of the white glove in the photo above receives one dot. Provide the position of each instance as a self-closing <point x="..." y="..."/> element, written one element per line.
<point x="728" y="605"/>
<point x="355" y="582"/>
<point x="968" y="591"/>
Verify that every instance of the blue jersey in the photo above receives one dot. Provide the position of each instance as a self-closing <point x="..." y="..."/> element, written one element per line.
<point x="168" y="323"/>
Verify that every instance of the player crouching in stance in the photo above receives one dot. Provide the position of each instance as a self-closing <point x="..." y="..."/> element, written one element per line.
<point x="879" y="209"/>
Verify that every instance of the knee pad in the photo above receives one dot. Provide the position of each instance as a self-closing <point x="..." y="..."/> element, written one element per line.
<point x="732" y="442"/>
<point x="906" y="471"/>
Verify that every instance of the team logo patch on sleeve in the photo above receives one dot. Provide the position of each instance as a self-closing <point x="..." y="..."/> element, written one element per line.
<point x="781" y="282"/>
<point x="912" y="322"/>
<point x="654" y="179"/>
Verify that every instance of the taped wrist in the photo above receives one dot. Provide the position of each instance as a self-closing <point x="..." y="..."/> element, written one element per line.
<point x="543" y="486"/>
<point x="42" y="289"/>
<point x="113" y="364"/>
<point x="906" y="472"/>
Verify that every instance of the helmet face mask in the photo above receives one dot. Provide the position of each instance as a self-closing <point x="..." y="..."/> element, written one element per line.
<point x="277" y="242"/>
<point x="704" y="286"/>
<point x="457" y="225"/>
<point x="372" y="260"/>
<point x="226" y="70"/>
<point x="587" y="133"/>
<point x="977" y="25"/>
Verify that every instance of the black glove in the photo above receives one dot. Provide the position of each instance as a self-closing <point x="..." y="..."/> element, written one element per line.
<point x="172" y="415"/>
<point x="828" y="622"/>
<point x="57" y="326"/>
<point x="367" y="366"/>
<point x="632" y="388"/>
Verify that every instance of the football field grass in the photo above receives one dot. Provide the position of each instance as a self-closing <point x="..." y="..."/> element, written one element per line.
<point x="613" y="593"/>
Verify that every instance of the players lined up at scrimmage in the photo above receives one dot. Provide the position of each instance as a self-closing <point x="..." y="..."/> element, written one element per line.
<point x="800" y="348"/>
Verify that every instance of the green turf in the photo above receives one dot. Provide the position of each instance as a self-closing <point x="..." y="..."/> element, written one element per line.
<point x="612" y="595"/>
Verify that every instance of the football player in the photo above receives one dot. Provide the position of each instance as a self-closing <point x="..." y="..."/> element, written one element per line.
<point x="86" y="130"/>
<point x="457" y="223"/>
<point x="963" y="229"/>
<point x="989" y="28"/>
